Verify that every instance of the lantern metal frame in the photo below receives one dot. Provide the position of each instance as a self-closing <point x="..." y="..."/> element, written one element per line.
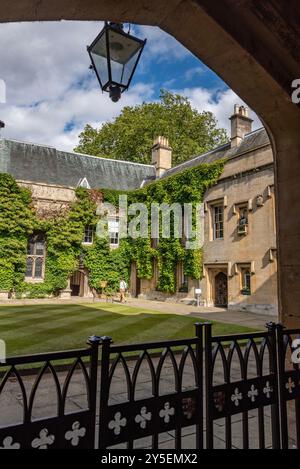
<point x="117" y="28"/>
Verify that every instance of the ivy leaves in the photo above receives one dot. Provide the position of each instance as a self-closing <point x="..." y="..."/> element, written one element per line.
<point x="64" y="235"/>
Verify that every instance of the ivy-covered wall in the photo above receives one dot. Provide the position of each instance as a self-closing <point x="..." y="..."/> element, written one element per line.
<point x="64" y="233"/>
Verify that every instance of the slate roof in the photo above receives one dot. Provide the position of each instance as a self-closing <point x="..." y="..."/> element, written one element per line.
<point x="38" y="163"/>
<point x="43" y="164"/>
<point x="251" y="141"/>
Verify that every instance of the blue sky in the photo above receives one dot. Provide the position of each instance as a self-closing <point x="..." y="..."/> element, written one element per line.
<point x="179" y="70"/>
<point x="52" y="94"/>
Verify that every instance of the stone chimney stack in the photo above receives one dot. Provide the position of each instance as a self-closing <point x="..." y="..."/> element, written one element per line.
<point x="161" y="155"/>
<point x="241" y="124"/>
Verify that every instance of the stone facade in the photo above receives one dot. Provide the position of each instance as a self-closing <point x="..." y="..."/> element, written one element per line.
<point x="240" y="265"/>
<point x="247" y="182"/>
<point x="49" y="198"/>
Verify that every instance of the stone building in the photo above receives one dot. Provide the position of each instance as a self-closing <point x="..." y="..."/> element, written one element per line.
<point x="238" y="213"/>
<point x="239" y="250"/>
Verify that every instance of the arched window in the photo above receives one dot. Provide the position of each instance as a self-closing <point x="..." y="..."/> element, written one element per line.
<point x="35" y="258"/>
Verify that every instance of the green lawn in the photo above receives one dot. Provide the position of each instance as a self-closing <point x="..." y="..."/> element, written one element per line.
<point x="44" y="328"/>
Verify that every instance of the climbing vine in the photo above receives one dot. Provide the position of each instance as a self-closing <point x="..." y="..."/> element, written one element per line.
<point x="63" y="232"/>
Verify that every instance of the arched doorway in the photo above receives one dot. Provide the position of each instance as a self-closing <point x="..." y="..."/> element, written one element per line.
<point x="221" y="290"/>
<point x="77" y="283"/>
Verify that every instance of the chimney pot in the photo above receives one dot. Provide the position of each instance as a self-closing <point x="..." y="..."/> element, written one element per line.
<point x="161" y="155"/>
<point x="241" y="124"/>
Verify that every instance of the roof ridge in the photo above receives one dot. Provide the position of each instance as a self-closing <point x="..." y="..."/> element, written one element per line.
<point x="76" y="153"/>
<point x="254" y="131"/>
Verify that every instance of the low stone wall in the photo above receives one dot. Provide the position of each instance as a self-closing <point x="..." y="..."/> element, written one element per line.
<point x="169" y="297"/>
<point x="267" y="309"/>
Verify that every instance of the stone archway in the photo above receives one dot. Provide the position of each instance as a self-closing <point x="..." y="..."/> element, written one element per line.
<point x="224" y="35"/>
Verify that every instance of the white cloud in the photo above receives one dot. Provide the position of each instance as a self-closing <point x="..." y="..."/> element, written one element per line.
<point x="194" y="72"/>
<point x="49" y="85"/>
<point x="220" y="103"/>
<point x="46" y="70"/>
<point x="161" y="45"/>
<point x="45" y="123"/>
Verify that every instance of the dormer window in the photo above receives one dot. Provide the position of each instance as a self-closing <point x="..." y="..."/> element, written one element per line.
<point x="35" y="262"/>
<point x="83" y="182"/>
<point x="88" y="236"/>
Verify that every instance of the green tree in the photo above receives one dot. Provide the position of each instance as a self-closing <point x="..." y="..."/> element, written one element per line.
<point x="130" y="135"/>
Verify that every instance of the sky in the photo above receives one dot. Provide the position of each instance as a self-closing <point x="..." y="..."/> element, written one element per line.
<point x="51" y="93"/>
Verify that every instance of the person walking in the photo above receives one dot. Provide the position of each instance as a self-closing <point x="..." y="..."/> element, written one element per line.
<point x="123" y="288"/>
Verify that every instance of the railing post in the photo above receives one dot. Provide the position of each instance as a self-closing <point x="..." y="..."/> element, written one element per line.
<point x="94" y="342"/>
<point x="105" y="342"/>
<point x="271" y="326"/>
<point x="199" y="383"/>
<point x="281" y="374"/>
<point x="208" y="385"/>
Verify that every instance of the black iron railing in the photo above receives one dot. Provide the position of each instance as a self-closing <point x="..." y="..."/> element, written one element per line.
<point x="163" y="411"/>
<point x="63" y="430"/>
<point x="245" y="379"/>
<point x="247" y="382"/>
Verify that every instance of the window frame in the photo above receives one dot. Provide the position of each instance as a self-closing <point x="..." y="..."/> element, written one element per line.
<point x="35" y="258"/>
<point x="113" y="236"/>
<point x="91" y="231"/>
<point x="246" y="286"/>
<point x="220" y="229"/>
<point x="183" y="279"/>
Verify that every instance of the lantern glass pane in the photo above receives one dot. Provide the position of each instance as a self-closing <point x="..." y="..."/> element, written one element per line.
<point x="99" y="55"/>
<point x="122" y="48"/>
<point x="128" y="68"/>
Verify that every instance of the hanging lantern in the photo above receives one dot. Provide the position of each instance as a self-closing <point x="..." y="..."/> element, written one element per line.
<point x="114" y="55"/>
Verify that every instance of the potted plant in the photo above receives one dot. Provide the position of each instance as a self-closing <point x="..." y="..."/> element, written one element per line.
<point x="245" y="291"/>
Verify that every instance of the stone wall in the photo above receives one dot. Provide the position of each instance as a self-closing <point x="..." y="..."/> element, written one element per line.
<point x="48" y="198"/>
<point x="243" y="180"/>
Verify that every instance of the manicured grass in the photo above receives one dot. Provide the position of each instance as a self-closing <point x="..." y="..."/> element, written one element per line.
<point x="44" y="328"/>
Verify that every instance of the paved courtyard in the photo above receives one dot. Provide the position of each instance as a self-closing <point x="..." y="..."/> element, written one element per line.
<point x="256" y="321"/>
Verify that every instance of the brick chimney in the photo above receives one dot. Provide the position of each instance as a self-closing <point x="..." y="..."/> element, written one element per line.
<point x="161" y="155"/>
<point x="241" y="124"/>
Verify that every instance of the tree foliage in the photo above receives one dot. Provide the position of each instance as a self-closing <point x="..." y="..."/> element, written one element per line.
<point x="130" y="135"/>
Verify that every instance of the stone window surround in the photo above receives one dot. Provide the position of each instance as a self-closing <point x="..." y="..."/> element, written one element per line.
<point x="209" y="206"/>
<point x="243" y="269"/>
<point x="239" y="265"/>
